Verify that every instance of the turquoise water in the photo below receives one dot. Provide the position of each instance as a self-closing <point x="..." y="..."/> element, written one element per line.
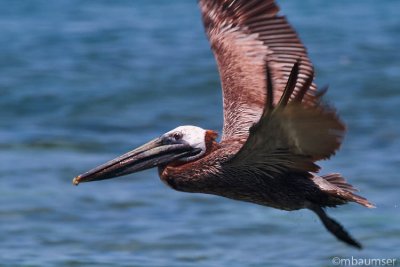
<point x="84" y="81"/>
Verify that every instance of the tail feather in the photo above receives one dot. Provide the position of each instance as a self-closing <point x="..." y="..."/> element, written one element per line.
<point x="346" y="191"/>
<point x="339" y="181"/>
<point x="335" y="228"/>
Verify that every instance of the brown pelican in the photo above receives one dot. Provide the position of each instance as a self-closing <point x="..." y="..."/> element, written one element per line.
<point x="275" y="125"/>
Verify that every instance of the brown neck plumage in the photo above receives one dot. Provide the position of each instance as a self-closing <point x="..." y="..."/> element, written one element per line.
<point x="211" y="143"/>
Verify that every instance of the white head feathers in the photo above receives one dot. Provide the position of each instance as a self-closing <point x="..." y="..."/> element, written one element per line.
<point x="193" y="135"/>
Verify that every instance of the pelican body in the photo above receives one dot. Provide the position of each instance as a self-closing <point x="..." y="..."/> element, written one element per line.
<point x="275" y="125"/>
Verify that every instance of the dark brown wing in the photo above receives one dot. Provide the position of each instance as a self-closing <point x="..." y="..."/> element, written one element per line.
<point x="244" y="34"/>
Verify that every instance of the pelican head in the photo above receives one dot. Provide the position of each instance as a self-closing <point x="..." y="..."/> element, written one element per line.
<point x="182" y="144"/>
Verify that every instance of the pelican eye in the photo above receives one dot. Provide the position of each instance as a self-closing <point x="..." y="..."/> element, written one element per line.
<point x="177" y="136"/>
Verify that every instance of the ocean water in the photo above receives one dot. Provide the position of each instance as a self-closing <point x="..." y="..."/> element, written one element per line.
<point x="84" y="81"/>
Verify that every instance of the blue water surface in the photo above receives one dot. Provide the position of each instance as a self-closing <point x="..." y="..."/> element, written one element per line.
<point x="84" y="81"/>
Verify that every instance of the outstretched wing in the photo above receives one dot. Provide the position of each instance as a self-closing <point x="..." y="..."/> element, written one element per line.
<point x="291" y="136"/>
<point x="243" y="35"/>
